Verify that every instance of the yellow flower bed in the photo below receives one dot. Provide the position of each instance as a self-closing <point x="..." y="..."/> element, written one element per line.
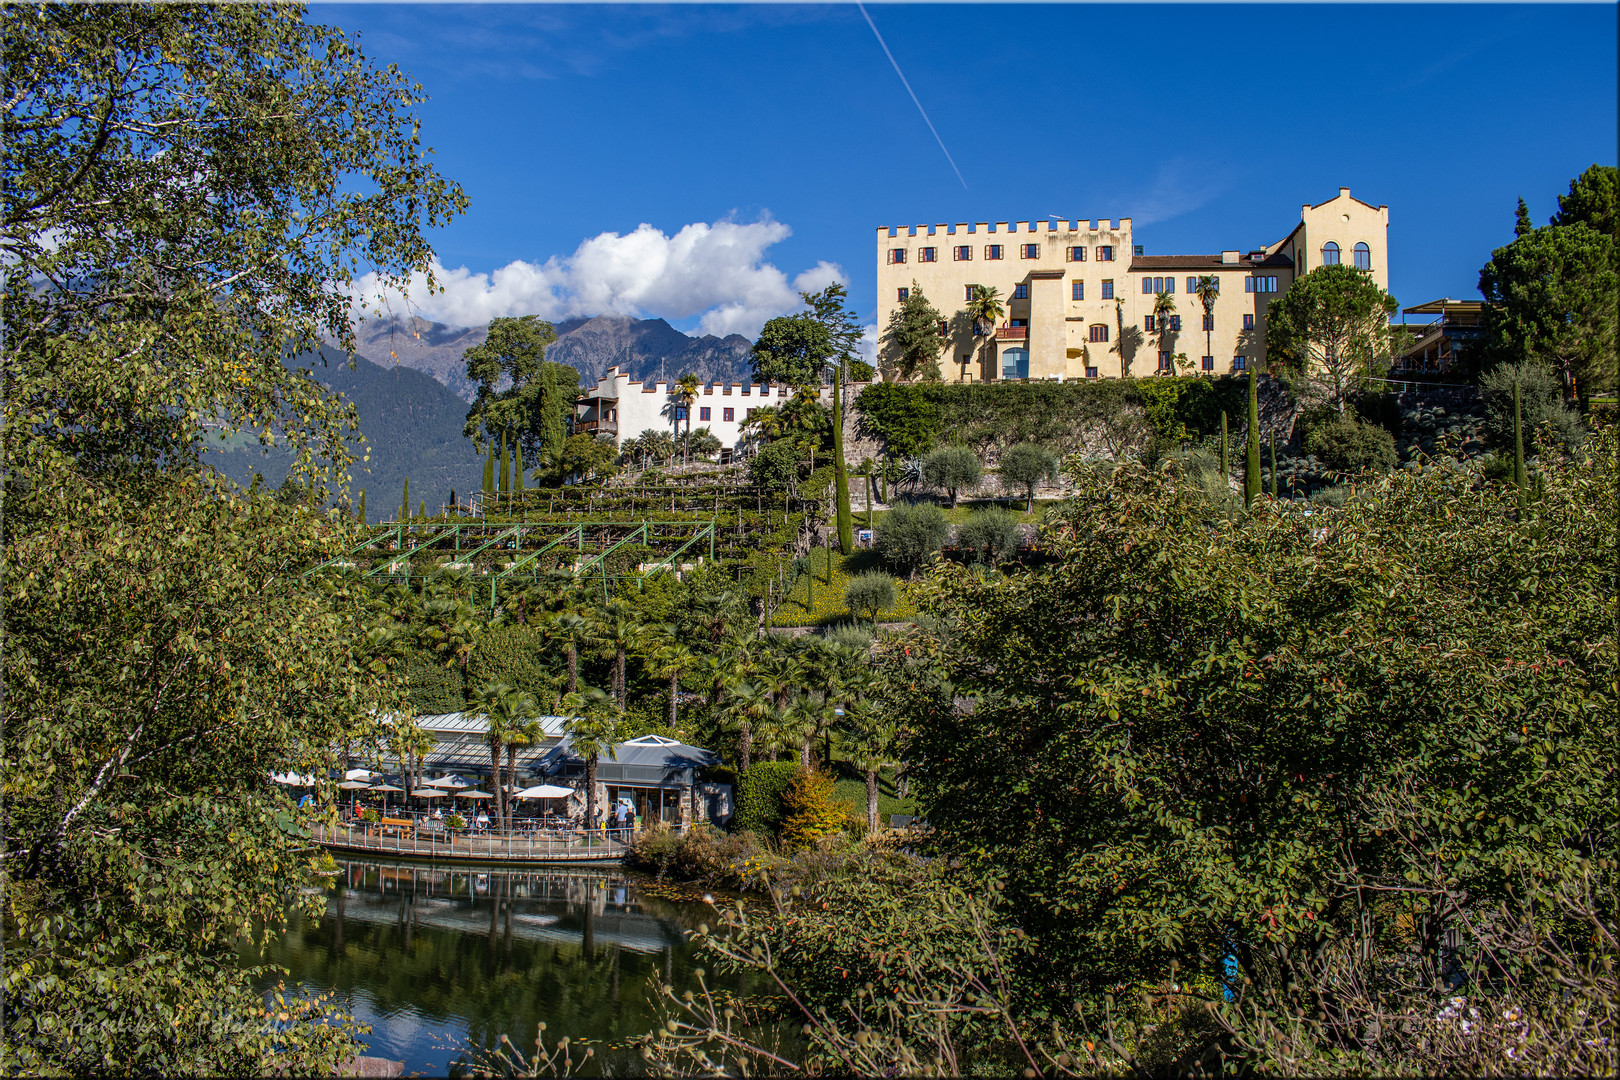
<point x="827" y="605"/>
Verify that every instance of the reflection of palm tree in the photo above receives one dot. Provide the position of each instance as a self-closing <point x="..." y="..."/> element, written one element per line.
<point x="1207" y="289"/>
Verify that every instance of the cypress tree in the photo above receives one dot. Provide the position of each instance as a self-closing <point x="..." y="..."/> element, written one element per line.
<point x="489" y="470"/>
<point x="1274" y="463"/>
<point x="846" y="536"/>
<point x="1226" y="464"/>
<point x="506" y="465"/>
<point x="517" y="476"/>
<point x="362" y="506"/>
<point x="421" y="511"/>
<point x="1251" y="462"/>
<point x="405" y="506"/>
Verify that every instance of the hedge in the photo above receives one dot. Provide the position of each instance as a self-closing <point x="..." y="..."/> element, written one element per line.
<point x="760" y="792"/>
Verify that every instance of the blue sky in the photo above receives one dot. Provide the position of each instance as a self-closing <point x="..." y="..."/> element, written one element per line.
<point x="762" y="145"/>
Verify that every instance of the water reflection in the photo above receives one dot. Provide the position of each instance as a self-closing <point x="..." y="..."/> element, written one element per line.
<point x="426" y="953"/>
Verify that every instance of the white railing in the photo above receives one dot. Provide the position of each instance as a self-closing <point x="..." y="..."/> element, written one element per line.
<point x="420" y="836"/>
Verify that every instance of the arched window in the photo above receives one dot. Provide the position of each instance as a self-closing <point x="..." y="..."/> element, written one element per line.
<point x="1363" y="257"/>
<point x="1330" y="254"/>
<point x="1015" y="364"/>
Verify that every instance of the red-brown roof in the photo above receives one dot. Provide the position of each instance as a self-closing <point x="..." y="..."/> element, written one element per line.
<point x="1206" y="262"/>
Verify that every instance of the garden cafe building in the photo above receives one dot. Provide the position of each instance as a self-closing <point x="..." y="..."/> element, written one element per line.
<point x="657" y="775"/>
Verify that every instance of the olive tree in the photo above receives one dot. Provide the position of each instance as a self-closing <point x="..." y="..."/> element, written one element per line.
<point x="950" y="469"/>
<point x="1024" y="466"/>
<point x="910" y="534"/>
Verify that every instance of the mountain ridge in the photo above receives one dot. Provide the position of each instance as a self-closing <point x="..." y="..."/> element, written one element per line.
<point x="646" y="348"/>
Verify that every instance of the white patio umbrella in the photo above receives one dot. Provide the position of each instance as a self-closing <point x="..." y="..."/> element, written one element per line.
<point x="474" y="795"/>
<point x="428" y="793"/>
<point x="361" y="774"/>
<point x="449" y="782"/>
<point x="354" y="785"/>
<point x="545" y="791"/>
<point x="293" y="779"/>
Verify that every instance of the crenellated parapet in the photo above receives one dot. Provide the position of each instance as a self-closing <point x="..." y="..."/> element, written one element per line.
<point x="1006" y="228"/>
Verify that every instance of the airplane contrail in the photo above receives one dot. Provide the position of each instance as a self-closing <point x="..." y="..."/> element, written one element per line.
<point x="907" y="84"/>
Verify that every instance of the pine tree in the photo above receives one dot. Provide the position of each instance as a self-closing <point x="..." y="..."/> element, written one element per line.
<point x="1251" y="463"/>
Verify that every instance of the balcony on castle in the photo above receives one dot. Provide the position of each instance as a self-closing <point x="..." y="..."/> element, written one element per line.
<point x="593" y="427"/>
<point x="1012" y="333"/>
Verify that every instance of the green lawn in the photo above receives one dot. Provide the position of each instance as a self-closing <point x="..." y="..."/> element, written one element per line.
<point x="820" y="602"/>
<point x="850" y="789"/>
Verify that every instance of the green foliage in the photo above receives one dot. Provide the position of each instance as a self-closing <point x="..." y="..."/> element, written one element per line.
<point x="1551" y="297"/>
<point x="1592" y="201"/>
<point x="792" y="349"/>
<point x="587" y="457"/>
<point x="869" y="593"/>
<point x="993" y="417"/>
<point x="910" y="534"/>
<point x="776" y="467"/>
<point x="705" y="443"/>
<point x="950" y="469"/>
<point x="989" y="534"/>
<point x="1330" y="330"/>
<point x="904" y="419"/>
<point x="1025" y="465"/>
<point x="910" y="345"/>
<point x="760" y="793"/>
<point x="1541" y="402"/>
<point x="811" y="812"/>
<point x="1363" y="736"/>
<point x="1352" y="446"/>
<point x="516" y="655"/>
<point x="432" y="686"/>
<point x="199" y="187"/>
<point x="538" y="393"/>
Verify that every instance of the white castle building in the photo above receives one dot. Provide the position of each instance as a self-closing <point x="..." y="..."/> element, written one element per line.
<point x="623" y="407"/>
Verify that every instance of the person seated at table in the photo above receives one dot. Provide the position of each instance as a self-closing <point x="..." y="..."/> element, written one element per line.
<point x="437" y="816"/>
<point x="483" y="821"/>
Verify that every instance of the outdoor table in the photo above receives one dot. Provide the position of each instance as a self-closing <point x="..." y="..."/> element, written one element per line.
<point x="399" y="825"/>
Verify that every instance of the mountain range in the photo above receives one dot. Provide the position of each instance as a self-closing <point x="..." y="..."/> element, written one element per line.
<point x="647" y="348"/>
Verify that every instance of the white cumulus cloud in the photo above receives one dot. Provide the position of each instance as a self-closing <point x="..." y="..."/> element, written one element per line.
<point x="717" y="272"/>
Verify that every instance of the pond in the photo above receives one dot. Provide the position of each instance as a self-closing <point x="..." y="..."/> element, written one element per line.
<point x="434" y="956"/>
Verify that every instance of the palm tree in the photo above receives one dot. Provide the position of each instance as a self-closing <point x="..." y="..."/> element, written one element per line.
<point x="411" y="743"/>
<point x="1120" y="343"/>
<point x="984" y="309"/>
<point x="570" y="628"/>
<point x="806" y="718"/>
<point x="685" y="393"/>
<point x="671" y="658"/>
<point x="1164" y="306"/>
<point x="869" y="740"/>
<point x="507" y="712"/>
<point x="597" y="729"/>
<point x="616" y="630"/>
<point x="747" y="704"/>
<point x="1207" y="289"/>
<point x="527" y="733"/>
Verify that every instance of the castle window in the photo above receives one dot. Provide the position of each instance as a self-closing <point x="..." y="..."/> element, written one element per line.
<point x="703" y="414"/>
<point x="1165" y="362"/>
<point x="927" y="254"/>
<point x="962" y="252"/>
<point x="1105" y="253"/>
<point x="1240" y="363"/>
<point x="1209" y="363"/>
<point x="1175" y="324"/>
<point x="1029" y="251"/>
<point x="1363" y="257"/>
<point x="902" y="295"/>
<point x="969" y="291"/>
<point x="1021" y="291"/>
<point x="1108" y="289"/>
<point x="1330" y="254"/>
<point x="1147" y="323"/>
<point x="1091" y="373"/>
<point x="1077" y="290"/>
<point x="1209" y="322"/>
<point x="897" y="255"/>
<point x="1147" y="286"/>
<point x="729" y="415"/>
<point x="1098" y="332"/>
<point x="1077" y="254"/>
<point x="1248" y="320"/>
<point x="993" y="251"/>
